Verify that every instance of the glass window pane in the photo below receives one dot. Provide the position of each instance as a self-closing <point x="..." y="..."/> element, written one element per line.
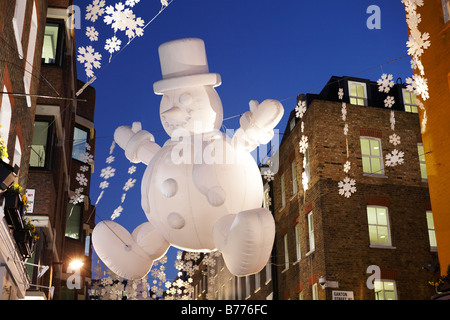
<point x="353" y="101"/>
<point x="382" y="216"/>
<point x="407" y="108"/>
<point x="73" y="221"/>
<point x="383" y="236"/>
<point x="366" y="165"/>
<point x="375" y="147"/>
<point x="432" y="237"/>
<point x="371" y="215"/>
<point x="365" y="148"/>
<point x="373" y="234"/>
<point x="353" y="90"/>
<point x="50" y="43"/>
<point x="360" y="102"/>
<point x="39" y="144"/>
<point x="421" y="152"/>
<point x="423" y="171"/>
<point x="406" y="97"/>
<point x="430" y="221"/>
<point x="361" y="91"/>
<point x="376" y="165"/>
<point x="80" y="138"/>
<point x="413" y="98"/>
<point x="414" y="109"/>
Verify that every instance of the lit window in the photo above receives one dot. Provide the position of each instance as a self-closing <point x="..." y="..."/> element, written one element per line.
<point x="294" y="177"/>
<point x="446" y="10"/>
<point x="312" y="244"/>
<point x="315" y="292"/>
<point x="73" y="221"/>
<point x="372" y="157"/>
<point x="423" y="167"/>
<point x="297" y="241"/>
<point x="283" y="195"/>
<point x="5" y="116"/>
<point x="358" y="93"/>
<point x="286" y="252"/>
<point x="18" y="22"/>
<point x="17" y="152"/>
<point x="307" y="170"/>
<point x="41" y="145"/>
<point x="385" y="290"/>
<point x="30" y="53"/>
<point x="378" y="222"/>
<point x="431" y="232"/>
<point x="410" y="101"/>
<point x="52" y="46"/>
<point x="80" y="138"/>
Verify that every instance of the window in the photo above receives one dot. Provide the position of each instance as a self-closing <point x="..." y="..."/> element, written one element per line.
<point x="315" y="292"/>
<point x="5" y="116"/>
<point x="286" y="252"/>
<point x="358" y="93"/>
<point x="30" y="53"/>
<point x="283" y="195"/>
<point x="372" y="157"/>
<point x="257" y="281"/>
<point x="385" y="290"/>
<point x="41" y="144"/>
<point x="378" y="225"/>
<point x="247" y="286"/>
<point x="431" y="232"/>
<point x="17" y="152"/>
<point x="80" y="139"/>
<point x="423" y="167"/>
<point x="297" y="241"/>
<point x="306" y="175"/>
<point x="73" y="221"/>
<point x="446" y="10"/>
<point x="409" y="99"/>
<point x="18" y="22"/>
<point x="52" y="47"/>
<point x="292" y="124"/>
<point x="268" y="271"/>
<point x="294" y="177"/>
<point x="312" y="244"/>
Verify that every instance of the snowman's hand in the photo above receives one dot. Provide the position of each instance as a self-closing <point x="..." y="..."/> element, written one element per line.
<point x="139" y="145"/>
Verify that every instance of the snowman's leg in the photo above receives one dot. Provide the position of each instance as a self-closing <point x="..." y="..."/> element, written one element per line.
<point x="128" y="255"/>
<point x="245" y="240"/>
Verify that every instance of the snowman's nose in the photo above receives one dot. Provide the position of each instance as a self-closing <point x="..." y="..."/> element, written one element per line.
<point x="174" y="113"/>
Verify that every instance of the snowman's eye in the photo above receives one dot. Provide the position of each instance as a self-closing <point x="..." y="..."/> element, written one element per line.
<point x="185" y="99"/>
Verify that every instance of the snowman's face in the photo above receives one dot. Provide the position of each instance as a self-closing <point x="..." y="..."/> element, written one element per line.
<point x="195" y="109"/>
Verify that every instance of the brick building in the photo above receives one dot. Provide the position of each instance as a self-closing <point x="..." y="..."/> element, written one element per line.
<point x="57" y="129"/>
<point x="386" y="225"/>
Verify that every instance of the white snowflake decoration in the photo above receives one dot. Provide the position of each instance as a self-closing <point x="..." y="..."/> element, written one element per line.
<point x="110" y="159"/>
<point x="418" y="85"/>
<point x="303" y="144"/>
<point x="77" y="197"/>
<point x="394" y="158"/>
<point x="90" y="58"/>
<point x="341" y="93"/>
<point x="417" y="42"/>
<point x="95" y="10"/>
<point x="164" y="3"/>
<point x="113" y="44"/>
<point x="305" y="181"/>
<point x="91" y="33"/>
<point x="81" y="178"/>
<point x="124" y="20"/>
<point x="117" y="212"/>
<point x="346" y="129"/>
<point x="389" y="102"/>
<point x="131" y="170"/>
<point x="86" y="157"/>
<point x="131" y="3"/>
<point x="392" y="120"/>
<point x="107" y="172"/>
<point x="347" y="187"/>
<point x="385" y="83"/>
<point x="268" y="175"/>
<point x="300" y="109"/>
<point x="344" y="111"/>
<point x="84" y="168"/>
<point x="104" y="184"/>
<point x="111" y="148"/>
<point x="394" y="139"/>
<point x="347" y="166"/>
<point x="129" y="184"/>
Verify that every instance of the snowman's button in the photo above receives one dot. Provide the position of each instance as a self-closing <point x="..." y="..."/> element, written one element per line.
<point x="169" y="188"/>
<point x="175" y="220"/>
<point x="216" y="196"/>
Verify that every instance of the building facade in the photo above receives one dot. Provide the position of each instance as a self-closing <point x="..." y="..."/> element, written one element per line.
<point x="57" y="129"/>
<point x="371" y="239"/>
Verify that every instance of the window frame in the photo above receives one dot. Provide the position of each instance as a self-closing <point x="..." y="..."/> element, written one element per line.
<point x="60" y="42"/>
<point x="380" y="157"/>
<point x="286" y="252"/>
<point x="80" y="233"/>
<point x="294" y="177"/>
<point x="411" y="105"/>
<point x="357" y="97"/>
<point x="432" y="229"/>
<point x="422" y="164"/>
<point x="87" y="141"/>
<point x="311" y="232"/>
<point x="283" y="191"/>
<point x="49" y="144"/>
<point x="297" y="241"/>
<point x="388" y="226"/>
<point x="383" y="282"/>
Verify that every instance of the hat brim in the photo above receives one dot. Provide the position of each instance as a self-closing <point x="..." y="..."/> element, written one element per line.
<point x="204" y="79"/>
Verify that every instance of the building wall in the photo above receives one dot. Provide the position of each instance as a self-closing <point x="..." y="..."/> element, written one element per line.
<point x="437" y="135"/>
<point x="342" y="245"/>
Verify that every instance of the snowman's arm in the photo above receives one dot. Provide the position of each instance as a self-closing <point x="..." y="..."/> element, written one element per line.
<point x="257" y="124"/>
<point x="139" y="145"/>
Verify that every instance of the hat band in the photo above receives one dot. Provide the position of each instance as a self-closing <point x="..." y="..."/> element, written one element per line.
<point x="205" y="79"/>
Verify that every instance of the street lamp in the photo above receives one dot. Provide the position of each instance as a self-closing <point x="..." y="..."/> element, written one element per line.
<point x="76" y="264"/>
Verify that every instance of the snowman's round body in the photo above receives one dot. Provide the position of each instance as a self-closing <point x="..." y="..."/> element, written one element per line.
<point x="191" y="184"/>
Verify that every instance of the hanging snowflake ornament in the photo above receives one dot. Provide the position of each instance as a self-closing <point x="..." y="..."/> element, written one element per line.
<point x="341" y="93"/>
<point x="300" y="109"/>
<point x="346" y="129"/>
<point x="347" y="166"/>
<point x="385" y="83"/>
<point x="418" y="85"/>
<point x="303" y="144"/>
<point x="394" y="139"/>
<point x="164" y="3"/>
<point x="394" y="158"/>
<point x="347" y="187"/>
<point x="417" y="42"/>
<point x="392" y="120"/>
<point x="77" y="197"/>
<point x="344" y="111"/>
<point x="268" y="175"/>
<point x="82" y="180"/>
<point x="131" y="3"/>
<point x="117" y="212"/>
<point x="86" y="157"/>
<point x="90" y="58"/>
<point x="113" y="44"/>
<point x="129" y="184"/>
<point x="104" y="184"/>
<point x="389" y="102"/>
<point x="107" y="172"/>
<point x="84" y="168"/>
<point x="124" y="20"/>
<point x="131" y="170"/>
<point x="91" y="33"/>
<point x="95" y="10"/>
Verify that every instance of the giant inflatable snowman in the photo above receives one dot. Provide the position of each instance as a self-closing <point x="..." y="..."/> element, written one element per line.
<point x="202" y="190"/>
